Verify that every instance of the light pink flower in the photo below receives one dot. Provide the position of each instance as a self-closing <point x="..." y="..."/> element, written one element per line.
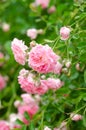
<point x="64" y="32"/>
<point x="26" y="81"/>
<point x="57" y="68"/>
<point x="5" y="27"/>
<point x="42" y="88"/>
<point x="19" y="51"/>
<point x="2" y="82"/>
<point x="52" y="9"/>
<point x="76" y="117"/>
<point x="32" y="33"/>
<point x="42" y="59"/>
<point x="4" y="125"/>
<point x="30" y="109"/>
<point x="27" y="98"/>
<point x="54" y="84"/>
<point x="43" y="3"/>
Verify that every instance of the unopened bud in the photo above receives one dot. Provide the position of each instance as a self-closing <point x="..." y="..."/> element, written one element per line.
<point x="32" y="44"/>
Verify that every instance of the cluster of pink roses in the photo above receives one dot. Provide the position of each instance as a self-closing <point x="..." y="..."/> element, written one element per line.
<point x="29" y="83"/>
<point x="41" y="59"/>
<point x="28" y="104"/>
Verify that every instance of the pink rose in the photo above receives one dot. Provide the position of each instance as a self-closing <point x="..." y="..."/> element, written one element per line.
<point x="42" y="88"/>
<point x="27" y="98"/>
<point x="26" y="81"/>
<point x="32" y="33"/>
<point x="75" y="117"/>
<point x="19" y="51"/>
<point x="30" y="109"/>
<point x="52" y="9"/>
<point x="57" y="68"/>
<point x="54" y="84"/>
<point x="4" y="125"/>
<point x="64" y="32"/>
<point x="42" y="59"/>
<point x="2" y="82"/>
<point x="44" y="3"/>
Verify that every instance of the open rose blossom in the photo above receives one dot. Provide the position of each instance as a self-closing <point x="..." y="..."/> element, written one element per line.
<point x="42" y="59"/>
<point x="54" y="84"/>
<point x="32" y="33"/>
<point x="27" y="98"/>
<point x="4" y="125"/>
<point x="26" y="81"/>
<point x="19" y="51"/>
<point x="42" y="88"/>
<point x="64" y="33"/>
<point x="43" y="3"/>
<point x="76" y="117"/>
<point x="2" y="82"/>
<point x="57" y="68"/>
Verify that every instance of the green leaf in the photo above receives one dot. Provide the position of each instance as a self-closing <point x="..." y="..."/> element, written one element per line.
<point x="24" y="127"/>
<point x="19" y="122"/>
<point x="26" y="115"/>
<point x="84" y="120"/>
<point x="31" y="126"/>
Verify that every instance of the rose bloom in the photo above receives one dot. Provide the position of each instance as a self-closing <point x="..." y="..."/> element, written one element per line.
<point x="64" y="33"/>
<point x="19" y="51"/>
<point x="5" y="27"/>
<point x="42" y="88"/>
<point x="43" y="3"/>
<point x="32" y="33"/>
<point x="57" y="68"/>
<point x="30" y="109"/>
<point x="27" y="98"/>
<point x="53" y="84"/>
<point x="26" y="81"/>
<point x="2" y="82"/>
<point x="52" y="9"/>
<point x="75" y="117"/>
<point x="42" y="59"/>
<point x="4" y="125"/>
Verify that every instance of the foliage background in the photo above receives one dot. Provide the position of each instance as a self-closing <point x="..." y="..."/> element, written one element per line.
<point x="54" y="107"/>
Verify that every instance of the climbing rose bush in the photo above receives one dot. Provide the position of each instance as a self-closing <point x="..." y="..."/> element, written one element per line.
<point x="42" y="65"/>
